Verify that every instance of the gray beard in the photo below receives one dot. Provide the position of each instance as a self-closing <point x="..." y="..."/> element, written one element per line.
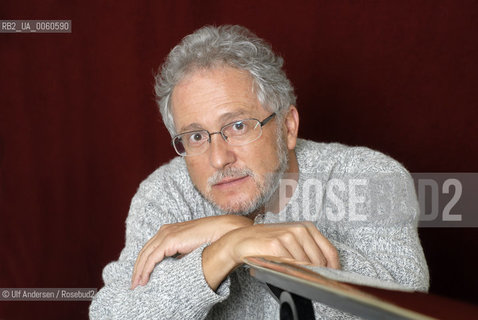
<point x="266" y="190"/>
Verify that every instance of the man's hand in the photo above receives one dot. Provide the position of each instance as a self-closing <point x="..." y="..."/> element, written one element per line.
<point x="300" y="241"/>
<point x="182" y="238"/>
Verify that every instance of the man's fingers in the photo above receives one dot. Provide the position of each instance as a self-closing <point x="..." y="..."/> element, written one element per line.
<point x="142" y="251"/>
<point x="308" y="249"/>
<point x="278" y="249"/>
<point x="327" y="249"/>
<point x="154" y="257"/>
<point x="304" y="233"/>
<point x="314" y="252"/>
<point x="143" y="256"/>
<point x="295" y="249"/>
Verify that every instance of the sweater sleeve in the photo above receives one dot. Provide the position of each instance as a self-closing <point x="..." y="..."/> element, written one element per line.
<point x="380" y="240"/>
<point x="176" y="289"/>
<point x="377" y="238"/>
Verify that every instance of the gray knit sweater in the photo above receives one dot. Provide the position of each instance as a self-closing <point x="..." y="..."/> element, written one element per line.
<point x="379" y="240"/>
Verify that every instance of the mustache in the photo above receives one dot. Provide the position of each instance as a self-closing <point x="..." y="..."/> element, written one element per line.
<point x="229" y="173"/>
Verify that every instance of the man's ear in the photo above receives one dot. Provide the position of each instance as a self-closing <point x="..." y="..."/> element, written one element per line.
<point x="291" y="122"/>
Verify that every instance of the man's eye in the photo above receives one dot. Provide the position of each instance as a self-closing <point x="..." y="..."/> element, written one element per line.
<point x="196" y="137"/>
<point x="239" y="126"/>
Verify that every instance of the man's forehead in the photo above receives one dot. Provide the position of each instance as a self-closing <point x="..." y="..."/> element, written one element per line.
<point x="213" y="96"/>
<point x="226" y="80"/>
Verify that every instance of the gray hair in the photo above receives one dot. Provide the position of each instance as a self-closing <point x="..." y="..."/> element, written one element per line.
<point x="233" y="46"/>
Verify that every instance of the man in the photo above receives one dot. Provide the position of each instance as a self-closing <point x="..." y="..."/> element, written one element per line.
<point x="245" y="185"/>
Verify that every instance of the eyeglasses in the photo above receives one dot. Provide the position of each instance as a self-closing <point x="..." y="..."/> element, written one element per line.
<point x="236" y="133"/>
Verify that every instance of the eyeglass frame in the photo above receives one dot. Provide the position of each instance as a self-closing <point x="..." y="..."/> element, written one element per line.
<point x="224" y="137"/>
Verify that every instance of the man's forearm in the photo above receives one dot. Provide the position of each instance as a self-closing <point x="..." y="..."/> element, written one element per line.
<point x="216" y="265"/>
<point x="182" y="238"/>
<point x="299" y="241"/>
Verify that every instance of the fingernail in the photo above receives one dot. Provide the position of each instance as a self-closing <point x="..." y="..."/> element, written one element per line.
<point x="142" y="281"/>
<point x="136" y="281"/>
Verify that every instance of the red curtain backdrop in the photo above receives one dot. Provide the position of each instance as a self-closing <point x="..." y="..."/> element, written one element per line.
<point x="79" y="128"/>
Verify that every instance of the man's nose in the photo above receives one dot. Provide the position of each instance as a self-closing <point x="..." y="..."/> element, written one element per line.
<point x="220" y="153"/>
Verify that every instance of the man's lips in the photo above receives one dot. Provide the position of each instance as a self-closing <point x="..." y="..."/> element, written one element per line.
<point x="230" y="181"/>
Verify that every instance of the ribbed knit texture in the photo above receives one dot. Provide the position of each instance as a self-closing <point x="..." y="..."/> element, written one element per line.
<point x="384" y="247"/>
